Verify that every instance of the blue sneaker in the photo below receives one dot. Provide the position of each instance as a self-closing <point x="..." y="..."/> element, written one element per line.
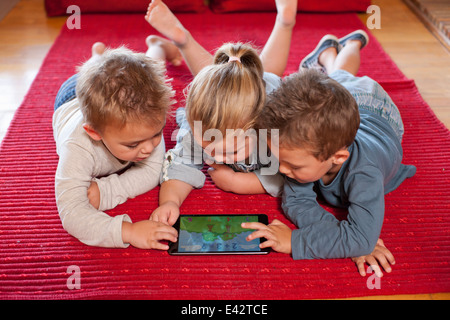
<point x="311" y="61"/>
<point x="359" y="35"/>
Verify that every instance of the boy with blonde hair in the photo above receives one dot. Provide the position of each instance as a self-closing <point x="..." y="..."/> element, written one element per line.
<point x="109" y="140"/>
<point x="341" y="135"/>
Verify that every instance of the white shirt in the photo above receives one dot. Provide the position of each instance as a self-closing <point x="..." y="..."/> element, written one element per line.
<point x="83" y="160"/>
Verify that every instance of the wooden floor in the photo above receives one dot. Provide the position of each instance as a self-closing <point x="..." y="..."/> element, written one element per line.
<point x="417" y="53"/>
<point x="26" y="35"/>
<point x="435" y="15"/>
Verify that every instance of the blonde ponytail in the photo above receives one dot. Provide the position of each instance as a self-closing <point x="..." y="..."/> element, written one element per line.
<point x="229" y="94"/>
<point x="247" y="55"/>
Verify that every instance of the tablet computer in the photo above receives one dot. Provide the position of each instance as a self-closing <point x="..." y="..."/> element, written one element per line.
<point x="216" y="234"/>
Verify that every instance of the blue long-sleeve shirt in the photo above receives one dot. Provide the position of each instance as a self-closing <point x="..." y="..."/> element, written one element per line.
<point x="373" y="169"/>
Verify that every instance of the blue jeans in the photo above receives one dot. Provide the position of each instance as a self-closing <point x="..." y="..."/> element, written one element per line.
<point x="370" y="96"/>
<point x="66" y="92"/>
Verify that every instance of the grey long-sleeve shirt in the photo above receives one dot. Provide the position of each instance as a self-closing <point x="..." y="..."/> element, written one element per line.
<point x="83" y="160"/>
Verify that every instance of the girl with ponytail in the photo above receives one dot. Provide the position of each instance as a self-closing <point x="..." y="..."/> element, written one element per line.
<point x="223" y="101"/>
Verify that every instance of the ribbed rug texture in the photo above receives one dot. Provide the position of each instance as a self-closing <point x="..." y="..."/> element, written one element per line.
<point x="37" y="256"/>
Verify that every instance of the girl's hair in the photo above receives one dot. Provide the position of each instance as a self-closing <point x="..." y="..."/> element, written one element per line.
<point x="230" y="93"/>
<point x="312" y="112"/>
<point x="122" y="86"/>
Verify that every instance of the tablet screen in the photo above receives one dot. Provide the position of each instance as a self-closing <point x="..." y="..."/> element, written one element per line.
<point x="216" y="234"/>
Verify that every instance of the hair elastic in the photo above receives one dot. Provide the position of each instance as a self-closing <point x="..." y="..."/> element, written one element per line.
<point x="234" y="58"/>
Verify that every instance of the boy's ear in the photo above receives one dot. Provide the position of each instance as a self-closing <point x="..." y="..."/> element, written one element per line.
<point x="92" y="132"/>
<point x="341" y="156"/>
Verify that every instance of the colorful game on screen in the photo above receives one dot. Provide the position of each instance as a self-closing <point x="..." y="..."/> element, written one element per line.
<point x="215" y="234"/>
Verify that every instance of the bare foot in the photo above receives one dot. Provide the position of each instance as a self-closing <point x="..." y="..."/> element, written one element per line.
<point x="170" y="51"/>
<point x="98" y="48"/>
<point x="286" y="12"/>
<point x="162" y="19"/>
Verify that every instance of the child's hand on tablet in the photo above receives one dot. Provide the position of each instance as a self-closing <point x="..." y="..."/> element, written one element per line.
<point x="167" y="213"/>
<point x="278" y="235"/>
<point x="148" y="234"/>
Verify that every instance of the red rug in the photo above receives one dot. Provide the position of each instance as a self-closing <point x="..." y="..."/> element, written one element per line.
<point x="36" y="254"/>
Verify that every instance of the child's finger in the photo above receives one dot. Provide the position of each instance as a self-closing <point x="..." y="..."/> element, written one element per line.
<point x="163" y="218"/>
<point x="160" y="246"/>
<point x="267" y="244"/>
<point x="389" y="256"/>
<point x="167" y="230"/>
<point x="259" y="234"/>
<point x="166" y="236"/>
<point x="360" y="264"/>
<point x="155" y="217"/>
<point x="373" y="263"/>
<point x="384" y="262"/>
<point x="170" y="230"/>
<point x="253" y="225"/>
<point x="172" y="219"/>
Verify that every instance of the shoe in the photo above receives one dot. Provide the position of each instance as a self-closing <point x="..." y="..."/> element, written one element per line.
<point x="311" y="61"/>
<point x="360" y="35"/>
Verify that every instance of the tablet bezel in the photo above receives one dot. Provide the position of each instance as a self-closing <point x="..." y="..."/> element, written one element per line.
<point x="173" y="246"/>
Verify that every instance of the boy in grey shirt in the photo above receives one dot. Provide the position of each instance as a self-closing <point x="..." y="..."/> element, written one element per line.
<point x="110" y="145"/>
<point x="341" y="136"/>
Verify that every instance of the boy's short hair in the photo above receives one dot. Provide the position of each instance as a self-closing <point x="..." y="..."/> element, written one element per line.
<point x="312" y="112"/>
<point x="122" y="86"/>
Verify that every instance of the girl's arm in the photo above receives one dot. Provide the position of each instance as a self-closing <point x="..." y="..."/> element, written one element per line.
<point x="228" y="180"/>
